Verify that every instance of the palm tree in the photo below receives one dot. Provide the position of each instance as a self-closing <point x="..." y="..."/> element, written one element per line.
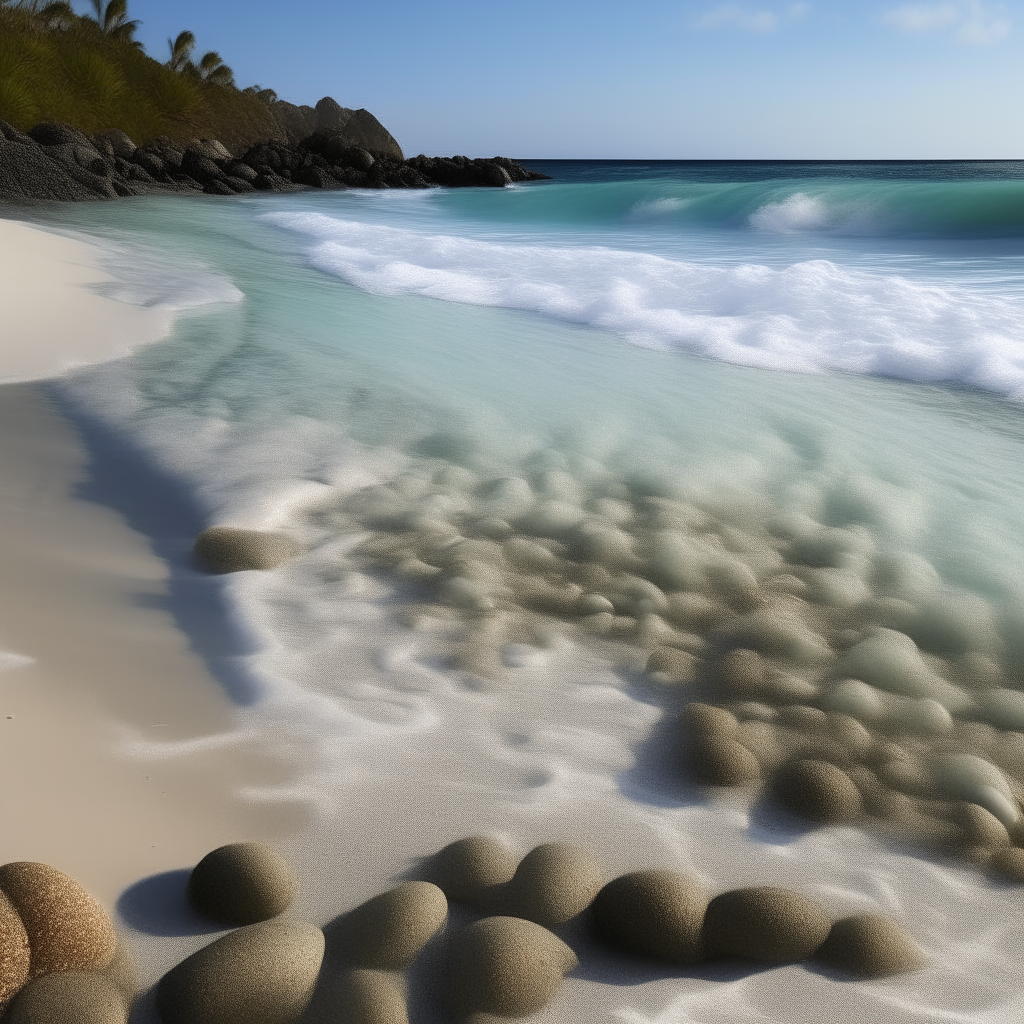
<point x="181" y="51"/>
<point x="212" y="69"/>
<point x="113" y="20"/>
<point x="267" y="95"/>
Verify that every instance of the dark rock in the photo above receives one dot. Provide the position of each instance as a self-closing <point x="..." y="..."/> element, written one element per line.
<point x="818" y="791"/>
<point x="659" y="913"/>
<point x="506" y="966"/>
<point x="238" y="185"/>
<point x="388" y="931"/>
<point x="765" y="923"/>
<point x="264" y="182"/>
<point x="237" y="169"/>
<point x="260" y="974"/>
<point x="50" y="133"/>
<point x="553" y="883"/>
<point x="218" y="187"/>
<point x="150" y="163"/>
<point x="69" y="997"/>
<point x="242" y="883"/>
<point x="871" y="946"/>
<point x="718" y="760"/>
<point x="198" y="165"/>
<point x="11" y="134"/>
<point x="296" y="122"/>
<point x="89" y="158"/>
<point x="67" y="928"/>
<point x="360" y="127"/>
<point x="122" y="146"/>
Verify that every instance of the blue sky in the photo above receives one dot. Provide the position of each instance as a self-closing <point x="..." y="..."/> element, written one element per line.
<point x="650" y="79"/>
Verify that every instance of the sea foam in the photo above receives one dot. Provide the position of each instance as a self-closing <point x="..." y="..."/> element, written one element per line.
<point x="810" y="316"/>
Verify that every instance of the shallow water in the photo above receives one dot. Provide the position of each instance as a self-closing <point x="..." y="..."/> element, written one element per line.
<point x="795" y="355"/>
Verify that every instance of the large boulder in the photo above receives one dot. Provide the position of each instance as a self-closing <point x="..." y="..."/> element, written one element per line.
<point x="242" y="883"/>
<point x="295" y="122"/>
<point x="67" y="928"/>
<point x="818" y="791"/>
<point x="658" y="913"/>
<point x="507" y="966"/>
<point x="360" y="127"/>
<point x="52" y="133"/>
<point x="14" y="951"/>
<point x="261" y="974"/>
<point x="28" y="172"/>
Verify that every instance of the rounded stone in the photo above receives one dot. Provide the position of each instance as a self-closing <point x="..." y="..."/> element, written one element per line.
<point x="467" y="869"/>
<point x="671" y="665"/>
<point x="1009" y="864"/>
<point x="743" y="673"/>
<point x="924" y="717"/>
<point x="721" y="761"/>
<point x="707" y="720"/>
<point x="658" y="913"/>
<point x="371" y="997"/>
<point x="980" y="828"/>
<point x="387" y="932"/>
<point x="853" y="697"/>
<point x="765" y="923"/>
<point x="818" y="791"/>
<point x="242" y="883"/>
<point x="871" y="946"/>
<point x="259" y="974"/>
<point x="553" y="883"/>
<point x="507" y="966"/>
<point x="67" y="928"/>
<point x="14" y="951"/>
<point x="231" y="549"/>
<point x="68" y="997"/>
<point x="972" y="778"/>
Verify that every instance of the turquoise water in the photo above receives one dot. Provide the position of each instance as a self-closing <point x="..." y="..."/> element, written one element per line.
<point x="810" y="369"/>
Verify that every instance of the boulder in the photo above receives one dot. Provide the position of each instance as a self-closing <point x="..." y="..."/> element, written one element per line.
<point x="196" y="164"/>
<point x="657" y="913"/>
<point x="387" y="932"/>
<point x="51" y="133"/>
<point x="368" y="997"/>
<point x="818" y="791"/>
<point x="553" y="883"/>
<point x="295" y="122"/>
<point x="121" y="145"/>
<point x="14" y="951"/>
<point x="506" y="966"/>
<point x="242" y="883"/>
<point x="260" y="974"/>
<point x="230" y="549"/>
<point x="68" y="997"/>
<point x="765" y="923"/>
<point x="468" y="869"/>
<point x="718" y="760"/>
<point x="360" y="126"/>
<point x="871" y="946"/>
<point x="67" y="929"/>
<point x="27" y="172"/>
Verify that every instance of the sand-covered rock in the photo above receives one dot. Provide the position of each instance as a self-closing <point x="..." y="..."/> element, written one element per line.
<point x="671" y="665"/>
<point x="1008" y="864"/>
<point x="765" y="923"/>
<point x="553" y="883"/>
<point x="972" y="778"/>
<point x="369" y="997"/>
<point x="658" y="913"/>
<point x="14" y="951"/>
<point x="260" y="974"/>
<point x="69" y="997"/>
<point x="719" y="760"/>
<point x="506" y="966"/>
<point x="68" y="929"/>
<point x="818" y="791"/>
<point x="231" y="549"/>
<point x="467" y="869"/>
<point x="701" y="719"/>
<point x="871" y="946"/>
<point x="387" y="932"/>
<point x="242" y="883"/>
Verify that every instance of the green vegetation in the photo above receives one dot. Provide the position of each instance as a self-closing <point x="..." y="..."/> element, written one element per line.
<point x="92" y="73"/>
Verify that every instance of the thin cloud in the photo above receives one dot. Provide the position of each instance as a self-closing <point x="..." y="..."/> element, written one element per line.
<point x="733" y="16"/>
<point x="971" y="23"/>
<point x="798" y="12"/>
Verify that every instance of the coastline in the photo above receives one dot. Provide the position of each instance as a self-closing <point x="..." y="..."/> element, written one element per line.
<point x="120" y="572"/>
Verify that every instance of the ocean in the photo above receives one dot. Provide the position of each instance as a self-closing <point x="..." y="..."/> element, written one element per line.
<point x="800" y="377"/>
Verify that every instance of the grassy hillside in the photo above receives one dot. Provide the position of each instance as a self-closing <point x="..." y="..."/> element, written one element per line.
<point x="66" y="68"/>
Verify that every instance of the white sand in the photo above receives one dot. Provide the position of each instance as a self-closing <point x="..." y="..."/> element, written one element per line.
<point x="123" y="758"/>
<point x="53" y="315"/>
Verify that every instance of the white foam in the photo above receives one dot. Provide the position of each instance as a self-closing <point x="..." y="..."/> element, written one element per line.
<point x="799" y="212"/>
<point x="811" y="316"/>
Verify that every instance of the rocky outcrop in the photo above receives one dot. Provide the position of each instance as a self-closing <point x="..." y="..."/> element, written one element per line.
<point x="347" y="149"/>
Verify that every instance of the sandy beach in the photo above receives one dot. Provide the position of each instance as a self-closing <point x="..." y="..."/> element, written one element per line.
<point x="131" y="745"/>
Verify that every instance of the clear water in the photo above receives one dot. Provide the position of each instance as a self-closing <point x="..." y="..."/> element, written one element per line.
<point x="818" y="347"/>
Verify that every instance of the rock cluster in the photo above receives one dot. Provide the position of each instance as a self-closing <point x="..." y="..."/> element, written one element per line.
<point x="847" y="683"/>
<point x="55" y="940"/>
<point x="57" y="161"/>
